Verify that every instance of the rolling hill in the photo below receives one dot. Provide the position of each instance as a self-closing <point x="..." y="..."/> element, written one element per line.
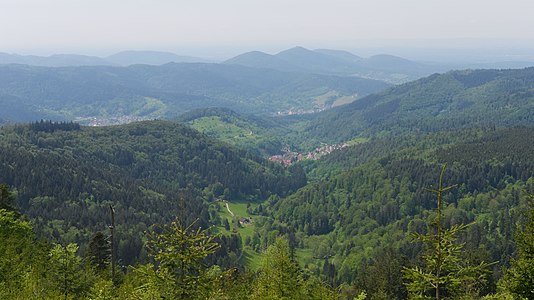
<point x="352" y="218"/>
<point x="66" y="177"/>
<point x="261" y="135"/>
<point x="361" y="202"/>
<point x="258" y="59"/>
<point x="457" y="99"/>
<point x="148" y="92"/>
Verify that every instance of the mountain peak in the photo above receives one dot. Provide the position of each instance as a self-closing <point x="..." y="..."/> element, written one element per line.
<point x="258" y="59"/>
<point x="294" y="50"/>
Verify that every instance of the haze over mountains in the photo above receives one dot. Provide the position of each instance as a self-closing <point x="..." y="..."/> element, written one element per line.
<point x="294" y="81"/>
<point x="124" y="58"/>
<point x="390" y="68"/>
<point x="298" y="59"/>
<point x="335" y="62"/>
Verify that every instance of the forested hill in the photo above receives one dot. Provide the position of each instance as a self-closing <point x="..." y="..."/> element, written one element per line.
<point x="458" y="99"/>
<point x="261" y="135"/>
<point x="349" y="221"/>
<point x="141" y="91"/>
<point x="66" y="176"/>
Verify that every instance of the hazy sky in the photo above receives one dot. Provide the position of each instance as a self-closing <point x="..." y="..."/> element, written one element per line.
<point x="92" y="26"/>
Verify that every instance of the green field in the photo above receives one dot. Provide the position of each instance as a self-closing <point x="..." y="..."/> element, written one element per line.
<point x="228" y="132"/>
<point x="251" y="258"/>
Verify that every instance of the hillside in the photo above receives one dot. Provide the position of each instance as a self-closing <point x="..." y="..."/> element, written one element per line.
<point x="458" y="99"/>
<point x="263" y="136"/>
<point x="108" y="95"/>
<point x="440" y="102"/>
<point x="315" y="62"/>
<point x="66" y="177"/>
<point x="353" y="218"/>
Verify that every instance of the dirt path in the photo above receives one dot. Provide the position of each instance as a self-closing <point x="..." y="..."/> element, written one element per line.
<point x="228" y="208"/>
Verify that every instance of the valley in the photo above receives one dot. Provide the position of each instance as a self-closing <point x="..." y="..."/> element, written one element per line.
<point x="266" y="150"/>
<point x="338" y="189"/>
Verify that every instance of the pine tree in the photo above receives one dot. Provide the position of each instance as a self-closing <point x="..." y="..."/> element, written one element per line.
<point x="519" y="279"/>
<point x="99" y="252"/>
<point x="444" y="272"/>
<point x="16" y="236"/>
<point x="6" y="198"/>
<point x="179" y="253"/>
<point x="279" y="277"/>
<point x="66" y="272"/>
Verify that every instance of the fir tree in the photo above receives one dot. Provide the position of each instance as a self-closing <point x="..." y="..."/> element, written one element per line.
<point x="519" y="279"/>
<point x="444" y="273"/>
<point x="99" y="251"/>
<point x="179" y="252"/>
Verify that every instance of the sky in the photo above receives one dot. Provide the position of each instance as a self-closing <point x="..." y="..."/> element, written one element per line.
<point x="216" y="27"/>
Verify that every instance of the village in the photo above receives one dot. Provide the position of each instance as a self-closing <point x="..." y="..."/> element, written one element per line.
<point x="289" y="157"/>
<point x="114" y="120"/>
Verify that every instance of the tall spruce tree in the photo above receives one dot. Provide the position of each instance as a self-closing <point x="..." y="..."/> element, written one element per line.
<point x="179" y="272"/>
<point x="279" y="277"/>
<point x="444" y="274"/>
<point x="6" y="198"/>
<point x="99" y="252"/>
<point x="519" y="279"/>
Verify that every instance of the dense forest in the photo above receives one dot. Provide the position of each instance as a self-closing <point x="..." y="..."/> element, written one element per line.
<point x="65" y="177"/>
<point x="360" y="206"/>
<point x="456" y="99"/>
<point x="376" y="201"/>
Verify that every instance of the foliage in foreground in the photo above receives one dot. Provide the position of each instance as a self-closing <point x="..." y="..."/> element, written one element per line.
<point x="445" y="272"/>
<point x="519" y="278"/>
<point x="35" y="270"/>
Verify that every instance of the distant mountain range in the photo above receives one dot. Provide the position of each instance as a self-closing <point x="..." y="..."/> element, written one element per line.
<point x="125" y="58"/>
<point x="335" y="62"/>
<point x="384" y="67"/>
<point x="101" y="91"/>
<point x="141" y="91"/>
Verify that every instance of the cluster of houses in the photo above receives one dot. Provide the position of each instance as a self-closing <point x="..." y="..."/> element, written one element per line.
<point x="111" y="120"/>
<point x="245" y="221"/>
<point x="290" y="157"/>
<point x="292" y="112"/>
